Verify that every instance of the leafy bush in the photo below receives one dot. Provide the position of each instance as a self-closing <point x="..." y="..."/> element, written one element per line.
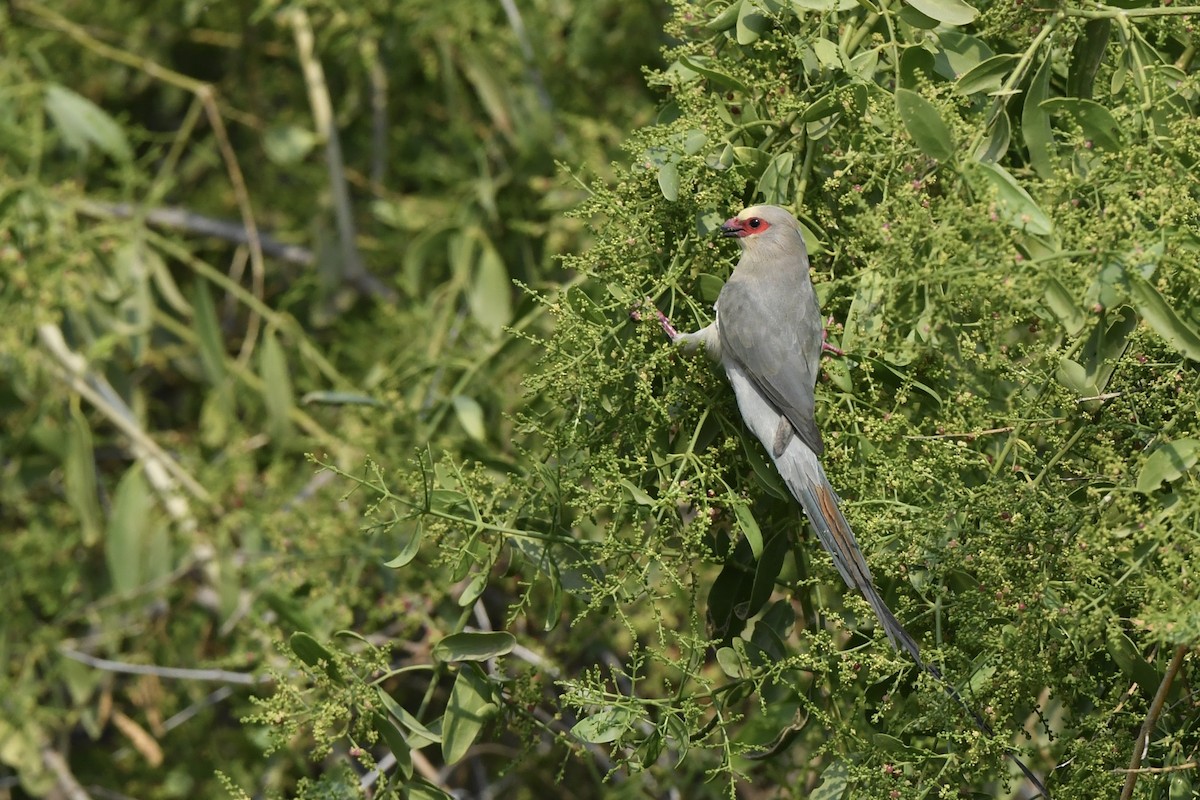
<point x="595" y="583"/>
<point x="995" y="202"/>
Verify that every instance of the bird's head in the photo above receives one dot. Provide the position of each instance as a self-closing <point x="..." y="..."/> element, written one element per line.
<point x="763" y="225"/>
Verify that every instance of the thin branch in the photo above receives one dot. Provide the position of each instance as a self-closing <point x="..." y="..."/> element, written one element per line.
<point x="181" y="219"/>
<point x="208" y="97"/>
<point x="1142" y="742"/>
<point x="1160" y="770"/>
<point x="353" y="270"/>
<point x="179" y="673"/>
<point x="71" y="787"/>
<point x="214" y="697"/>
<point x="73" y="369"/>
<point x="377" y="76"/>
<point x="966" y="435"/>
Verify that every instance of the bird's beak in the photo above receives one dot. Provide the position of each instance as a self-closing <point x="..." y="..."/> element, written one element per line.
<point x="733" y="227"/>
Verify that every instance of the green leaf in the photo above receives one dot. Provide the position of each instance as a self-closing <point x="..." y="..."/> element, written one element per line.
<point x="1063" y="306"/>
<point x="1168" y="464"/>
<point x="752" y="22"/>
<point x="753" y="159"/>
<point x="700" y="65"/>
<point x="408" y="550"/>
<point x="331" y="398"/>
<point x="834" y="782"/>
<point x="917" y="66"/>
<point x="889" y="744"/>
<point x="708" y="287"/>
<point x="288" y="609"/>
<point x="420" y="733"/>
<point x="766" y="570"/>
<point x="421" y="789"/>
<point x="475" y="587"/>
<point x="474" y="646"/>
<point x="286" y="145"/>
<point x="470" y="416"/>
<point x="801" y="6"/>
<point x="924" y="124"/>
<point x="727" y="18"/>
<point x="1096" y="121"/>
<point x="604" y="726"/>
<point x="749" y="527"/>
<point x="822" y="107"/>
<point x="209" y="339"/>
<point x="1131" y="662"/>
<point x="768" y="476"/>
<point x="776" y="181"/>
<point x="315" y="654"/>
<point x="731" y="663"/>
<point x="668" y="180"/>
<point x="83" y="124"/>
<point x="1086" y="57"/>
<point x="949" y="12"/>
<point x="394" y="739"/>
<point x="959" y="53"/>
<point x="986" y="76"/>
<point x="827" y="53"/>
<point x="999" y="135"/>
<point x="79" y="478"/>
<point x="128" y="528"/>
<point x="639" y="496"/>
<point x="468" y="709"/>
<point x="1014" y="204"/>
<point x="910" y="16"/>
<point x="1162" y="318"/>
<point x="864" y="320"/>
<point x="277" y="389"/>
<point x="1104" y="347"/>
<point x="1035" y="122"/>
<point x="490" y="88"/>
<point x="490" y="296"/>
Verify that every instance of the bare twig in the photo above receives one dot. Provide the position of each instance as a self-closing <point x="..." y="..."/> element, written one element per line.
<point x="1160" y="770"/>
<point x="966" y="435"/>
<point x="1142" y="742"/>
<point x="73" y="369"/>
<point x="181" y="219"/>
<point x="378" y="78"/>
<point x="179" y="673"/>
<point x="1101" y="397"/>
<point x="353" y="270"/>
<point x="71" y="788"/>
<point x="214" y="697"/>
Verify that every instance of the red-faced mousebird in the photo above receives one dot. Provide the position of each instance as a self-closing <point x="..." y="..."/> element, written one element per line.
<point x="768" y="335"/>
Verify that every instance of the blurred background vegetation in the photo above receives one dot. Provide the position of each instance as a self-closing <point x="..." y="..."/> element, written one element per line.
<point x="342" y="455"/>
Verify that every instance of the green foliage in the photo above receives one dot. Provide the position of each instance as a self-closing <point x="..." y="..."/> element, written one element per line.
<point x="995" y="203"/>
<point x="578" y="575"/>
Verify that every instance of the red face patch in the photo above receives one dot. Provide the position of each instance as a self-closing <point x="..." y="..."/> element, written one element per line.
<point x="744" y="227"/>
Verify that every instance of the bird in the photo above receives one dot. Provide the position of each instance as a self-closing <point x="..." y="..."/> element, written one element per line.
<point x="767" y="333"/>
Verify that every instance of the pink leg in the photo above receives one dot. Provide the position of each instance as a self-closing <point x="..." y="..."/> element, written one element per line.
<point x="667" y="327"/>
<point x="826" y="347"/>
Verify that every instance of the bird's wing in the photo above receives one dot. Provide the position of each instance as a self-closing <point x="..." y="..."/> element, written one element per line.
<point x="774" y="334"/>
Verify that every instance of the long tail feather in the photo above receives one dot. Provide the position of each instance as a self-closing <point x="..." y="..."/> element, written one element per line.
<point x="806" y="479"/>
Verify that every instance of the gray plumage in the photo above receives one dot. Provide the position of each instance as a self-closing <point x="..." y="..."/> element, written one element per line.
<point x="768" y="336"/>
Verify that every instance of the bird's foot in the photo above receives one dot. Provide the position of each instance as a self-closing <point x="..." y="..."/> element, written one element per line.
<point x="825" y="345"/>
<point x="668" y="328"/>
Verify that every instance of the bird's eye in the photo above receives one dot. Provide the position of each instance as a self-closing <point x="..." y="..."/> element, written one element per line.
<point x="755" y="223"/>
